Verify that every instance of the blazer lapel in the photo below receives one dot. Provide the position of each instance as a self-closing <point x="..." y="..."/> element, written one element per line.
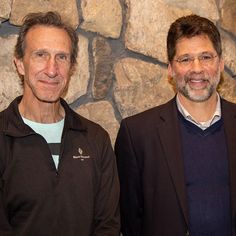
<point x="229" y="118"/>
<point x="170" y="138"/>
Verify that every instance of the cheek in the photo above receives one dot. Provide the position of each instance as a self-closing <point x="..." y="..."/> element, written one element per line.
<point x="177" y="71"/>
<point x="65" y="74"/>
<point x="213" y="71"/>
<point x="33" y="69"/>
<point x="179" y="75"/>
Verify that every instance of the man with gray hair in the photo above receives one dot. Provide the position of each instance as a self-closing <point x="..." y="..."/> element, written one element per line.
<point x="58" y="172"/>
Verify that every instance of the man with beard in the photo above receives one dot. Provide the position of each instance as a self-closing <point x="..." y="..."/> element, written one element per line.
<point x="177" y="162"/>
<point x="58" y="172"/>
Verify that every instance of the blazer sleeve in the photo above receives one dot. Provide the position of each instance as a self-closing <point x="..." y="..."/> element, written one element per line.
<point x="130" y="183"/>
<point x="107" y="212"/>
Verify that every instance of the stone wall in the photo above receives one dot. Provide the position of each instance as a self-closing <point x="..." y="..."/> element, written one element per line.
<point x="122" y="66"/>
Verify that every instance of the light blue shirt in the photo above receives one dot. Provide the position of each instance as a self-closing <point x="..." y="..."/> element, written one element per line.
<point x="51" y="133"/>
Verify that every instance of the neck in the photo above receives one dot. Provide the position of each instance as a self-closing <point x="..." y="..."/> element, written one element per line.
<point x="200" y="111"/>
<point x="41" y="112"/>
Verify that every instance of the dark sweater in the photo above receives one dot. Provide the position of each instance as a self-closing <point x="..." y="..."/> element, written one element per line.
<point x="207" y="179"/>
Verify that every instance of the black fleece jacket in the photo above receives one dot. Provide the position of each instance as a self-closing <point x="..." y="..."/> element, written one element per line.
<point x="80" y="198"/>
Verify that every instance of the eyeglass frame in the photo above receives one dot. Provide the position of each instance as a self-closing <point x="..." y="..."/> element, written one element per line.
<point x="200" y="57"/>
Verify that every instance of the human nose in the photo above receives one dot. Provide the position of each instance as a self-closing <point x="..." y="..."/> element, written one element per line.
<point x="196" y="64"/>
<point x="52" y="67"/>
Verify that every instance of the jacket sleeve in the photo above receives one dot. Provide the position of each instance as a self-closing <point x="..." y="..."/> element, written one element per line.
<point x="130" y="183"/>
<point x="107" y="212"/>
<point x="5" y="228"/>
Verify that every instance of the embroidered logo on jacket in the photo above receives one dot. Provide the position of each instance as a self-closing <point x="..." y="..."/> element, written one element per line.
<point x="81" y="157"/>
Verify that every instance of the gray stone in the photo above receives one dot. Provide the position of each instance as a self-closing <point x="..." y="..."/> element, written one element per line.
<point x="220" y="3"/>
<point x="205" y="8"/>
<point x="102" y="113"/>
<point x="148" y="24"/>
<point x="228" y="13"/>
<point x="139" y="86"/>
<point x="104" y="17"/>
<point x="227" y="88"/>
<point x="80" y="79"/>
<point x="229" y="51"/>
<point x="5" y="9"/>
<point x="9" y="79"/>
<point x="67" y="9"/>
<point x="102" y="67"/>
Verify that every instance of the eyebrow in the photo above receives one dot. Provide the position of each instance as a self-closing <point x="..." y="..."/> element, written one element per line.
<point x="189" y="54"/>
<point x="48" y="51"/>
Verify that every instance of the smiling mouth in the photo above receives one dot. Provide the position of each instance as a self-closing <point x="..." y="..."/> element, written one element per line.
<point x="197" y="83"/>
<point x="49" y="82"/>
<point x="197" y="80"/>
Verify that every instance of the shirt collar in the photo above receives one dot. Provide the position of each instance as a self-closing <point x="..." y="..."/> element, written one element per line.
<point x="203" y="125"/>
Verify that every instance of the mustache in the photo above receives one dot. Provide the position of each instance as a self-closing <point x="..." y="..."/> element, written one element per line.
<point x="196" y="76"/>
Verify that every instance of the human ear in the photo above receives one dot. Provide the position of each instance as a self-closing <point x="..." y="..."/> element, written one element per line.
<point x="19" y="65"/>
<point x="169" y="70"/>
<point x="222" y="65"/>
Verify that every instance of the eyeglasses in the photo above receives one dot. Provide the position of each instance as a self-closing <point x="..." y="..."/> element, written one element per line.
<point x="205" y="59"/>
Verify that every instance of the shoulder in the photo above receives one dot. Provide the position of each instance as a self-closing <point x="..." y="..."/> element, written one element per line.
<point x="151" y="116"/>
<point x="142" y="125"/>
<point x="5" y="117"/>
<point x="228" y="107"/>
<point x="227" y="103"/>
<point x="1" y="120"/>
<point x="90" y="128"/>
<point x="10" y="114"/>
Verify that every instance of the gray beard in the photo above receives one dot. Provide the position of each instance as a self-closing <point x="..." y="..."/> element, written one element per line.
<point x="189" y="93"/>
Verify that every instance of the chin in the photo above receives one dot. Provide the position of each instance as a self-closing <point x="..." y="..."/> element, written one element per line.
<point x="199" y="98"/>
<point x="49" y="99"/>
